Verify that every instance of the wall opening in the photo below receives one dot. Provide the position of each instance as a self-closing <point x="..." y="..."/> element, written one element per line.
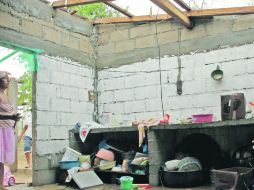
<point x="21" y="63"/>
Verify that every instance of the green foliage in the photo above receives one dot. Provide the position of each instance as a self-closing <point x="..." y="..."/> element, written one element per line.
<point x="96" y="10"/>
<point x="25" y="89"/>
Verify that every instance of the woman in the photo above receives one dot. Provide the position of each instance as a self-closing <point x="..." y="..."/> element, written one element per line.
<point x="7" y="132"/>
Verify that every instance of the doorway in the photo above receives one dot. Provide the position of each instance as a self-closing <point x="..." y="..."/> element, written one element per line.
<point x="21" y="63"/>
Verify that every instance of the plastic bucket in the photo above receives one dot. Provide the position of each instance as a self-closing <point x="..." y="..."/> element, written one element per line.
<point x="126" y="182"/>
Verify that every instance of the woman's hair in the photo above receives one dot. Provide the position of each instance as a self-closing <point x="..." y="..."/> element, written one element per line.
<point x="3" y="74"/>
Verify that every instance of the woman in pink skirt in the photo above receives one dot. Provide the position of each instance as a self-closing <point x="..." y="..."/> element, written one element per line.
<point x="7" y="132"/>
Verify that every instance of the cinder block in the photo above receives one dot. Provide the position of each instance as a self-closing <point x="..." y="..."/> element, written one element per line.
<point x="148" y="65"/>
<point x="219" y="26"/>
<point x="243" y="22"/>
<point x="154" y="180"/>
<point x="147" y="41"/>
<point x="194" y="87"/>
<point x="146" y="92"/>
<point x="135" y="106"/>
<point x="112" y="85"/>
<point x="135" y="81"/>
<point x="124" y="95"/>
<point x="142" y="30"/>
<point x="41" y="163"/>
<point x="60" y="105"/>
<point x="119" y="35"/>
<point x="69" y="92"/>
<point x="168" y="37"/>
<point x="61" y="78"/>
<point x="46" y="118"/>
<point x="106" y="28"/>
<point x="32" y="28"/>
<point x="59" y="133"/>
<point x="153" y="104"/>
<point x="9" y="21"/>
<point x="196" y="32"/>
<point x="43" y="177"/>
<point x="43" y="103"/>
<point x="42" y="132"/>
<point x="106" y="49"/>
<point x="78" y="107"/>
<point x="70" y="41"/>
<point x="123" y="46"/>
<point x="106" y="97"/>
<point x="47" y="90"/>
<point x="51" y="34"/>
<point x="103" y="39"/>
<point x="86" y="46"/>
<point x="83" y="94"/>
<point x="44" y="76"/>
<point x="116" y="108"/>
<point x="250" y="65"/>
<point x="153" y="78"/>
<point x="50" y="147"/>
<point x="167" y="26"/>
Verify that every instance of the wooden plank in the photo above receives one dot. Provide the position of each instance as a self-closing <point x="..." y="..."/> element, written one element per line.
<point x="147" y="18"/>
<point x="172" y="10"/>
<point x="221" y="11"/>
<point x="69" y="3"/>
<point x="192" y="13"/>
<point x="182" y="4"/>
<point x="121" y="10"/>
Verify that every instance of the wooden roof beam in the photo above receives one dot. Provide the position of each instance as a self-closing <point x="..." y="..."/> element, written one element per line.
<point x="148" y="18"/>
<point x="182" y="4"/>
<point x="70" y="3"/>
<point x="119" y="9"/>
<point x="192" y="13"/>
<point x="172" y="10"/>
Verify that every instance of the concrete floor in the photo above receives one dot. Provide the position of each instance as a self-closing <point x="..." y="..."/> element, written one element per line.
<point x="102" y="187"/>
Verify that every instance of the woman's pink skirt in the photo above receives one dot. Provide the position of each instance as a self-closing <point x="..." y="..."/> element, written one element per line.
<point x="7" y="145"/>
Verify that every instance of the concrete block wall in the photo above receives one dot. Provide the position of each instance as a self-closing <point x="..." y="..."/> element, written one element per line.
<point x="162" y="144"/>
<point x="134" y="91"/>
<point x="120" y="44"/>
<point x="61" y="100"/>
<point x="35" y="24"/>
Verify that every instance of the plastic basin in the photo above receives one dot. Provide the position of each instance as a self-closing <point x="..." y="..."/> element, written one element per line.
<point x="202" y="118"/>
<point x="65" y="165"/>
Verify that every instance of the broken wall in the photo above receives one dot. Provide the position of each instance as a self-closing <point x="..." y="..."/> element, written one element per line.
<point x="141" y="90"/>
<point x="34" y="24"/>
<point x="60" y="101"/>
<point x="120" y="44"/>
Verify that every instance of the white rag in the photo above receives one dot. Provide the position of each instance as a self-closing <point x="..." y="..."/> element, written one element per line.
<point x="86" y="127"/>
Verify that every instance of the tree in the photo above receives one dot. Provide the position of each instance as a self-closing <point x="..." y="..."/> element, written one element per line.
<point x="25" y="90"/>
<point x="25" y="81"/>
<point x="96" y="10"/>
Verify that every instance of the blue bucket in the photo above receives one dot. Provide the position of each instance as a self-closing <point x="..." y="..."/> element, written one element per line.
<point x="65" y="165"/>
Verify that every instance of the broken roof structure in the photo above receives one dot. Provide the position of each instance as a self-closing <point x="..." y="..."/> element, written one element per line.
<point x="137" y="68"/>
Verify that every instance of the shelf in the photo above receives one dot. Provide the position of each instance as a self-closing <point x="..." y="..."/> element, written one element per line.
<point x="109" y="129"/>
<point x="228" y="123"/>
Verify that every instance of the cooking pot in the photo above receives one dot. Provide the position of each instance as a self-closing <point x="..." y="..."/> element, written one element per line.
<point x="182" y="179"/>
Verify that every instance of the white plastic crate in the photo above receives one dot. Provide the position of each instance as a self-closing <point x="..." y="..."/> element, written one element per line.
<point x="70" y="155"/>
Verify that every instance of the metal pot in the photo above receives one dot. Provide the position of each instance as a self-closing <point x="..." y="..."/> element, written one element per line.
<point x="183" y="179"/>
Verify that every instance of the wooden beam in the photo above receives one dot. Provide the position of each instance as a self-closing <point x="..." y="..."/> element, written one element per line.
<point x="182" y="4"/>
<point x="172" y="10"/>
<point x="221" y="11"/>
<point x="192" y="13"/>
<point x="132" y="19"/>
<point x="121" y="10"/>
<point x="69" y="3"/>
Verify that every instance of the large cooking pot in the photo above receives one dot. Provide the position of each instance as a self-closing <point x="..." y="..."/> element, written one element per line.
<point x="183" y="179"/>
